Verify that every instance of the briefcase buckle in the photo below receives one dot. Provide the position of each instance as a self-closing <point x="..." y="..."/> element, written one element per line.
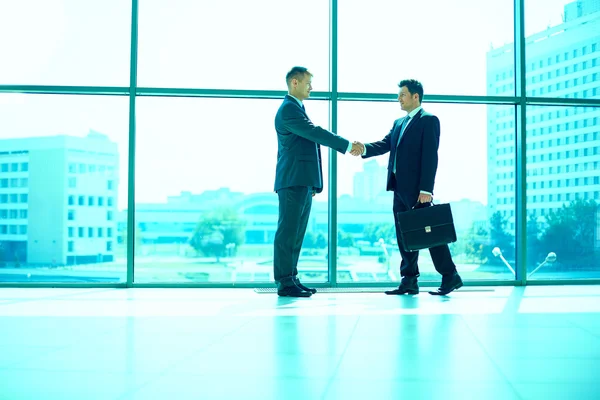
<point x="428" y="229"/>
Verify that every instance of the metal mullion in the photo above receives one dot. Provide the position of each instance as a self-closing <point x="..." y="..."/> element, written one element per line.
<point x="66" y="90"/>
<point x="520" y="144"/>
<point x="131" y="160"/>
<point x="332" y="201"/>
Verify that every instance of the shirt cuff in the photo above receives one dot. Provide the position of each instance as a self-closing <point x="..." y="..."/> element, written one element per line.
<point x="424" y="192"/>
<point x="365" y="151"/>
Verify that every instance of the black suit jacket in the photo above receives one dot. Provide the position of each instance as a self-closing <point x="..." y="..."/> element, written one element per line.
<point x="298" y="147"/>
<point x="416" y="155"/>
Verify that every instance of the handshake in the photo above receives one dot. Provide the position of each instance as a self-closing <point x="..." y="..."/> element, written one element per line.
<point x="357" y="148"/>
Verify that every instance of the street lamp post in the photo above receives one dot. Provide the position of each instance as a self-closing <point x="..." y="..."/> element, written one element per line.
<point x="498" y="253"/>
<point x="230" y="248"/>
<point x="385" y="252"/>
<point x="550" y="258"/>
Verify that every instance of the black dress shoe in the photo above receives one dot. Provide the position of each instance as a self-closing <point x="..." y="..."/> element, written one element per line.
<point x="449" y="284"/>
<point x="301" y="286"/>
<point x="293" y="291"/>
<point x="407" y="286"/>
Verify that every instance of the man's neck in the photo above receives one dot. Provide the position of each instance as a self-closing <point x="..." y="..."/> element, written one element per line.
<point x="409" y="111"/>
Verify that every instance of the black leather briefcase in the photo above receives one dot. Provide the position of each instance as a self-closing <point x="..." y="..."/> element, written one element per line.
<point x="426" y="227"/>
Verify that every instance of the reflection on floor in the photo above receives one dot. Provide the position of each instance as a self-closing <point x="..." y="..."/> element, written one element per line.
<point x="494" y="343"/>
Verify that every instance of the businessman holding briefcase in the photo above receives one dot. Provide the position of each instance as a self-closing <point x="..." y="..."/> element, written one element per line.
<point x="413" y="144"/>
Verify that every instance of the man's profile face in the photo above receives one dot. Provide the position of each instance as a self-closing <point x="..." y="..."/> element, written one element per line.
<point x="302" y="87"/>
<point x="408" y="102"/>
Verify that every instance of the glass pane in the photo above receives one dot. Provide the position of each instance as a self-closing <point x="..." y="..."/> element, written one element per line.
<point x="563" y="192"/>
<point x="203" y="174"/>
<point x="384" y="41"/>
<point x="475" y="175"/>
<point x="232" y="44"/>
<point x="563" y="49"/>
<point x="63" y="180"/>
<point x="65" y="42"/>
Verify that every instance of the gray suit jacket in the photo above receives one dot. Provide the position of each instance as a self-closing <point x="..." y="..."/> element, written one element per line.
<point x="299" y="150"/>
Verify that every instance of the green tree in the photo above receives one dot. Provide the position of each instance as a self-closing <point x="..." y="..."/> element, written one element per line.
<point x="321" y="241"/>
<point x="475" y="245"/>
<point x="570" y="233"/>
<point x="373" y="232"/>
<point x="345" y="239"/>
<point x="534" y="249"/>
<point x="370" y="232"/>
<point x="216" y="230"/>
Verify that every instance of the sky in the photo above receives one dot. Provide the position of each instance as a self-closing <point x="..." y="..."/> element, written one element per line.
<point x="204" y="144"/>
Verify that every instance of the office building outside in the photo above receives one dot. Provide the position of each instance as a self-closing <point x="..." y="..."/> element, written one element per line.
<point x="563" y="143"/>
<point x="58" y="199"/>
<point x="370" y="183"/>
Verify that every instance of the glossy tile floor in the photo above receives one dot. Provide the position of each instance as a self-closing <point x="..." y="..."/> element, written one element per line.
<point x="477" y="343"/>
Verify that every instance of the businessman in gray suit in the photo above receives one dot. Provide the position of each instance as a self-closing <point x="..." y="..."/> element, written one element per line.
<point x="298" y="177"/>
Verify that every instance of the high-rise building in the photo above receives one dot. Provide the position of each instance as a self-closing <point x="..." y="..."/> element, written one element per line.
<point x="563" y="143"/>
<point x="58" y="199"/>
<point x="370" y="183"/>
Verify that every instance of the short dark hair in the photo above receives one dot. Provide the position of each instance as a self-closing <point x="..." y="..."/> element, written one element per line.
<point x="413" y="86"/>
<point x="296" y="73"/>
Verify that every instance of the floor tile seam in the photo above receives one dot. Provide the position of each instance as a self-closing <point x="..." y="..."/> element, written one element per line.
<point x="79" y="370"/>
<point x="173" y="364"/>
<point x="493" y="361"/>
<point x="341" y="358"/>
<point x="586" y="330"/>
<point x="57" y="296"/>
<point x="560" y="296"/>
<point x="37" y="357"/>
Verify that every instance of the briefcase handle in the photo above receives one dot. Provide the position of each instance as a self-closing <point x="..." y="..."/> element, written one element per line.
<point x="422" y="205"/>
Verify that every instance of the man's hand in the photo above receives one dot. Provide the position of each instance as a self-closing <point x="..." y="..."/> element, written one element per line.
<point x="424" y="198"/>
<point x="357" y="148"/>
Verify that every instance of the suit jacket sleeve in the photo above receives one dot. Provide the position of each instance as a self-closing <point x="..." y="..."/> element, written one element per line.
<point x="429" y="158"/>
<point x="381" y="147"/>
<point x="296" y="122"/>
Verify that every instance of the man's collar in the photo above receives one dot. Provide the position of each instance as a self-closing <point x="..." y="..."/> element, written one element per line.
<point x="415" y="112"/>
<point x="299" y="101"/>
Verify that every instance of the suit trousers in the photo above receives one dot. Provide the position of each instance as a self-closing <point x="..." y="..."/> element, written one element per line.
<point x="440" y="255"/>
<point x="294" y="209"/>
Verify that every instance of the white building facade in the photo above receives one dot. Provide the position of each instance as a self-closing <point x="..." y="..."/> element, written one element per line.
<point x="563" y="143"/>
<point x="58" y="199"/>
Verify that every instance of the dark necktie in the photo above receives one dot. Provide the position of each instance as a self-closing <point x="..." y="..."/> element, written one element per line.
<point x="402" y="129"/>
